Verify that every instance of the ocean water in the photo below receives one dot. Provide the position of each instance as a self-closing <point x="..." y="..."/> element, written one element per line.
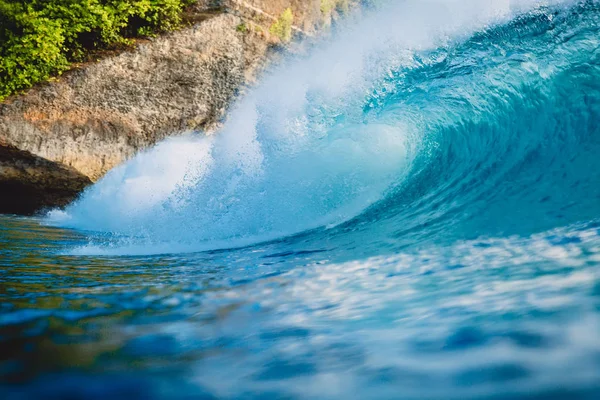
<point x="409" y="211"/>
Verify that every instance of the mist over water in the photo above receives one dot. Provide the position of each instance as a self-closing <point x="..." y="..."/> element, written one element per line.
<point x="410" y="211"/>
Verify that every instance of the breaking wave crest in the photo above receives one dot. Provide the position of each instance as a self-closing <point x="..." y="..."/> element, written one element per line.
<point x="429" y="120"/>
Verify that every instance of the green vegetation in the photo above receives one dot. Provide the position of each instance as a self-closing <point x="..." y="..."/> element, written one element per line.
<point x="243" y="28"/>
<point x="282" y="28"/>
<point x="41" y="38"/>
<point x="328" y="6"/>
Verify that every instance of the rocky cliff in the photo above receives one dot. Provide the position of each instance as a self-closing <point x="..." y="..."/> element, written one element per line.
<point x="61" y="136"/>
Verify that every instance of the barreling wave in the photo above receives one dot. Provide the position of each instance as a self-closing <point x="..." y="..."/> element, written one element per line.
<point x="429" y="120"/>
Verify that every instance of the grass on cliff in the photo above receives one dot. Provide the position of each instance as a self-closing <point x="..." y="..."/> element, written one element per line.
<point x="42" y="38"/>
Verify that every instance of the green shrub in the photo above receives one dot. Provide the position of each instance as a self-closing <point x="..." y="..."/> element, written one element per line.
<point x="328" y="6"/>
<point x="282" y="28"/>
<point x="40" y="38"/>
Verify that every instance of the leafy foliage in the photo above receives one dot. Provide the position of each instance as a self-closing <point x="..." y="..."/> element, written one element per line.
<point x="282" y="28"/>
<point x="40" y="38"/>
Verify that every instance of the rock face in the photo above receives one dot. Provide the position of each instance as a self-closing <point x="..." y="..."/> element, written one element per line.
<point x="63" y="135"/>
<point x="96" y="117"/>
<point x="29" y="183"/>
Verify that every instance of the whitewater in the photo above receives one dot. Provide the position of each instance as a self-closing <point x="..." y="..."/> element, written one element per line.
<point x="410" y="210"/>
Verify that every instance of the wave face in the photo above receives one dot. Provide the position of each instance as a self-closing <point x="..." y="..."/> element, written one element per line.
<point x="477" y="118"/>
<point x="412" y="211"/>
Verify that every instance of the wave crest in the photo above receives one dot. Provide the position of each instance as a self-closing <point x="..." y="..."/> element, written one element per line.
<point x="410" y="117"/>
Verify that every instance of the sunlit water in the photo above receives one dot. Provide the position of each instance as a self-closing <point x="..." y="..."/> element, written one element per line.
<point x="411" y="211"/>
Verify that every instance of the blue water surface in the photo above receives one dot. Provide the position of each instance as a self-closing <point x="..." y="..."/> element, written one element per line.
<point x="469" y="268"/>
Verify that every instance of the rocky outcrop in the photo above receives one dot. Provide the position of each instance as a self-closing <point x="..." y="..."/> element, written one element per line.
<point x="63" y="135"/>
<point x="29" y="183"/>
<point x="98" y="116"/>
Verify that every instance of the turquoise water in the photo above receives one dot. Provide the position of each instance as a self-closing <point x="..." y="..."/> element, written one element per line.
<point x="410" y="211"/>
